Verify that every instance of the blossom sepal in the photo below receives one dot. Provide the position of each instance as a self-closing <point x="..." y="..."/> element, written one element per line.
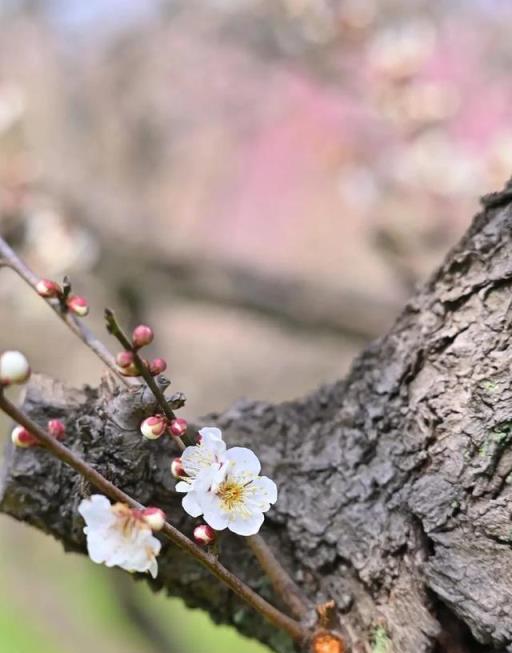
<point x="177" y="469"/>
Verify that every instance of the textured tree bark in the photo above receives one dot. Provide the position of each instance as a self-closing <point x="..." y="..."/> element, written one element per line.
<point x="395" y="484"/>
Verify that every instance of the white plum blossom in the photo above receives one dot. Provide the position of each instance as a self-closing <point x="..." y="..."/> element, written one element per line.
<point x="224" y="485"/>
<point x="118" y="536"/>
<point x="201" y="464"/>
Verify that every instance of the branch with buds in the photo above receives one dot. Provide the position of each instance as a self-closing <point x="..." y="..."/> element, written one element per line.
<point x="222" y="485"/>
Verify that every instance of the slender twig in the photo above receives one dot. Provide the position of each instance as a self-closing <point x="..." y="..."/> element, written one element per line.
<point x="283" y="584"/>
<point x="10" y="259"/>
<point x="118" y="332"/>
<point x="60" y="451"/>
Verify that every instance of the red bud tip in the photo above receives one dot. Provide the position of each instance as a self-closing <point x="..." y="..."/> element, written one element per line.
<point x="142" y="336"/>
<point x="56" y="429"/>
<point x="178" y="427"/>
<point x="177" y="469"/>
<point x="157" y="366"/>
<point x="47" y="288"/>
<point x="124" y="359"/>
<point x="204" y="534"/>
<point x="153" y="427"/>
<point x="154" y="518"/>
<point x="22" y="438"/>
<point x="78" y="305"/>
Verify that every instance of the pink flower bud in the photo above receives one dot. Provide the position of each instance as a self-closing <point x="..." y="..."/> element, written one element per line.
<point x="157" y="366"/>
<point x="14" y="368"/>
<point x="177" y="469"/>
<point x="153" y="427"/>
<point x="56" y="429"/>
<point x="142" y="335"/>
<point x="78" y="305"/>
<point x="178" y="427"/>
<point x="48" y="288"/>
<point x="204" y="534"/>
<point x="22" y="438"/>
<point x="124" y="359"/>
<point x="154" y="518"/>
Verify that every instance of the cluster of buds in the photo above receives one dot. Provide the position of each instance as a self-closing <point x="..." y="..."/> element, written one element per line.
<point x="155" y="426"/>
<point x="204" y="535"/>
<point x="125" y="361"/>
<point x="142" y="336"/>
<point x="14" y="368"/>
<point x="52" y="290"/>
<point x="22" y="438"/>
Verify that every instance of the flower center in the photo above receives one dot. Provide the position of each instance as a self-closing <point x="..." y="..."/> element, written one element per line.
<point x="231" y="494"/>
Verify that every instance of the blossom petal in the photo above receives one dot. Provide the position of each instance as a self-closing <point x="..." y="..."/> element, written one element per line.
<point x="263" y="493"/>
<point x="98" y="547"/>
<point x="213" y="514"/>
<point x="246" y="525"/>
<point x="183" y="486"/>
<point x="97" y="511"/>
<point x="191" y="505"/>
<point x="210" y="433"/>
<point x="243" y="462"/>
<point x="199" y="457"/>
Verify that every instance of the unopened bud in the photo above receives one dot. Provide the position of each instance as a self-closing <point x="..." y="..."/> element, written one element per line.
<point x="157" y="366"/>
<point x="23" y="438"/>
<point x="142" y="335"/>
<point x="56" y="429"/>
<point x="14" y="368"/>
<point x="153" y="427"/>
<point x="178" y="427"/>
<point x="48" y="288"/>
<point x="124" y="359"/>
<point x="78" y="305"/>
<point x="204" y="534"/>
<point x="154" y="518"/>
<point x="177" y="469"/>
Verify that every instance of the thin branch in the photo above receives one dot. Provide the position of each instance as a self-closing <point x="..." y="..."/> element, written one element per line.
<point x="60" y="451"/>
<point x="283" y="584"/>
<point x="117" y="331"/>
<point x="10" y="259"/>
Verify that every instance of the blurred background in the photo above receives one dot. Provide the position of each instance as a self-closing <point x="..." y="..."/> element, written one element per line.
<point x="263" y="181"/>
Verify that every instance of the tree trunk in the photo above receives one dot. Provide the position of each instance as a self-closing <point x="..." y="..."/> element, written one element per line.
<point x="395" y="484"/>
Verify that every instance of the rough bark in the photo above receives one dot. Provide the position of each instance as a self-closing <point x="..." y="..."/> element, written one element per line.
<point x="395" y="494"/>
